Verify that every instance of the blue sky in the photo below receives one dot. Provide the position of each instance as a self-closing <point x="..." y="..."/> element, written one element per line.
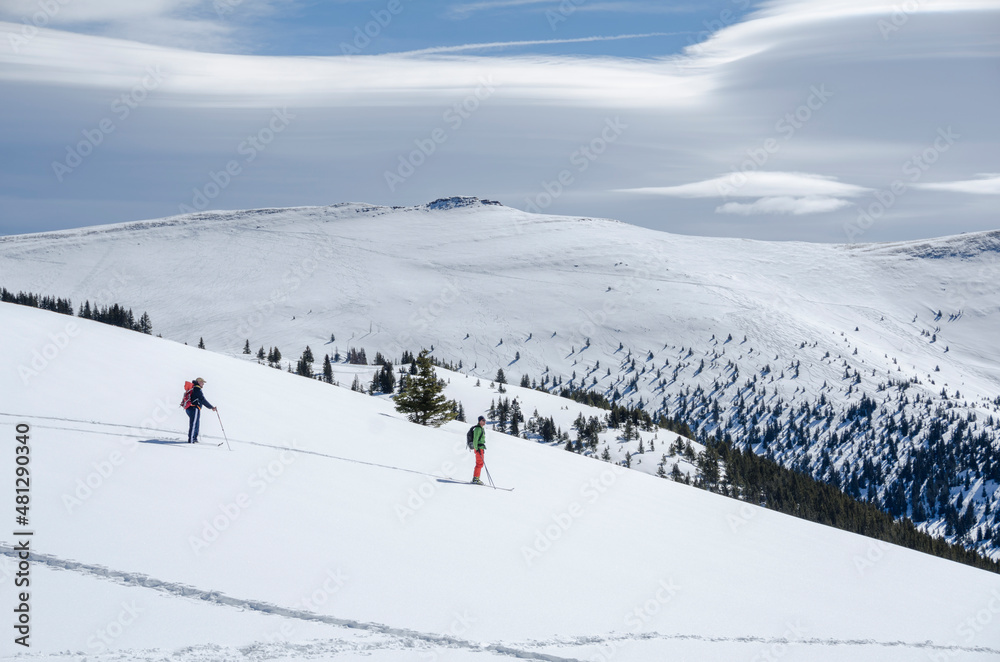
<point x="819" y="120"/>
<point x="321" y="28"/>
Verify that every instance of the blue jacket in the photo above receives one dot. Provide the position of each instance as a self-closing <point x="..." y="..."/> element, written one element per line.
<point x="198" y="398"/>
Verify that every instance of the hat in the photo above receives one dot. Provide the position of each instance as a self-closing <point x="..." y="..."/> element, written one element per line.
<point x="199" y="381"/>
<point x="482" y="419"/>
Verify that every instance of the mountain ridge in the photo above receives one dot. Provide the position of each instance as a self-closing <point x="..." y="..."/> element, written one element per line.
<point x="988" y="240"/>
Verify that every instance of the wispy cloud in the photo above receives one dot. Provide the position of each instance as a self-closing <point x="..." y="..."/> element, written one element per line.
<point x="390" y="80"/>
<point x="768" y="184"/>
<point x="533" y="42"/>
<point x="641" y="7"/>
<point x="192" y="24"/>
<point x="466" y="9"/>
<point x="794" y="193"/>
<point x="987" y="184"/>
<point x="784" y="205"/>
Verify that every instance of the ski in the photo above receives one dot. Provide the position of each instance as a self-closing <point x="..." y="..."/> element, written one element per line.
<point x="462" y="482"/>
<point x="185" y="442"/>
<point x="182" y="442"/>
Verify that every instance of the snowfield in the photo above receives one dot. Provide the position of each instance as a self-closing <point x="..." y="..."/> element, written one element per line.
<point x="732" y="336"/>
<point x="327" y="533"/>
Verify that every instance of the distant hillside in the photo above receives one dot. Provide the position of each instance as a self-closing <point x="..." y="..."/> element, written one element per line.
<point x="870" y="367"/>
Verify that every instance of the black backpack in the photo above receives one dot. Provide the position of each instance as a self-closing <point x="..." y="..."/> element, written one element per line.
<point x="469" y="436"/>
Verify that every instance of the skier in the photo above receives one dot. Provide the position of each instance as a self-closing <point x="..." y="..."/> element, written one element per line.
<point x="193" y="409"/>
<point x="479" y="446"/>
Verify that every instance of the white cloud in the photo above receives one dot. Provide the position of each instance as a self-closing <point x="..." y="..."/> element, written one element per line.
<point x="194" y="24"/>
<point x="620" y="7"/>
<point x="61" y="58"/>
<point x="987" y="184"/>
<point x="784" y="205"/>
<point x="780" y="23"/>
<point x="99" y="11"/>
<point x="464" y="10"/>
<point x="776" y="185"/>
<point x="534" y="42"/>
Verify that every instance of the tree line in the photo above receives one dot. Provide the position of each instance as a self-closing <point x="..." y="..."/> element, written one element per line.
<point x="114" y="315"/>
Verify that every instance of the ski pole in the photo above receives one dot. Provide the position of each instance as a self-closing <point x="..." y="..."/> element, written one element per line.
<point x="223" y="430"/>
<point x="488" y="473"/>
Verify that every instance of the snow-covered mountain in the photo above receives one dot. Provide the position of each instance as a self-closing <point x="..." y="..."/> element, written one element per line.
<point x="328" y="534"/>
<point x="870" y="366"/>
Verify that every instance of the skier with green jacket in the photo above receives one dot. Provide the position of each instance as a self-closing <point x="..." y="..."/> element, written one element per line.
<point x="479" y="446"/>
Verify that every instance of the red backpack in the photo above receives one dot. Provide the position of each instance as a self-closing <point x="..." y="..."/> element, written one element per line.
<point x="188" y="390"/>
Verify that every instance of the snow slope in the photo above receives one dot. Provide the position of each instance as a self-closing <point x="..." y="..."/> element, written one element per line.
<point x="678" y="324"/>
<point x="325" y="534"/>
<point x="478" y="395"/>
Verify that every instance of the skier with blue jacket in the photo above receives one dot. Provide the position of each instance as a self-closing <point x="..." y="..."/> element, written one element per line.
<point x="194" y="400"/>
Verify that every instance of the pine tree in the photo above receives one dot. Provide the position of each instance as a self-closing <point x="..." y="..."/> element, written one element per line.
<point x="145" y="324"/>
<point x="423" y="400"/>
<point x="304" y="365"/>
<point x="246" y="345"/>
<point x="387" y="380"/>
<point x="260" y="354"/>
<point x="201" y="343"/>
<point x="708" y="463"/>
<point x="327" y="370"/>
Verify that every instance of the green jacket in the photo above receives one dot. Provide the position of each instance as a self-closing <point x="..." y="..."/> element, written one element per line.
<point x="479" y="438"/>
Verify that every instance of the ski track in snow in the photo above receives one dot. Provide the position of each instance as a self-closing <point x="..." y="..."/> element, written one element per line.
<point x="412" y="639"/>
<point x="752" y="639"/>
<point x="403" y="637"/>
<point x="146" y="430"/>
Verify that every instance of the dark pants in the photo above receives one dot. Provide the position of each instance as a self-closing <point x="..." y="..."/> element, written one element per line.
<point x="194" y="418"/>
